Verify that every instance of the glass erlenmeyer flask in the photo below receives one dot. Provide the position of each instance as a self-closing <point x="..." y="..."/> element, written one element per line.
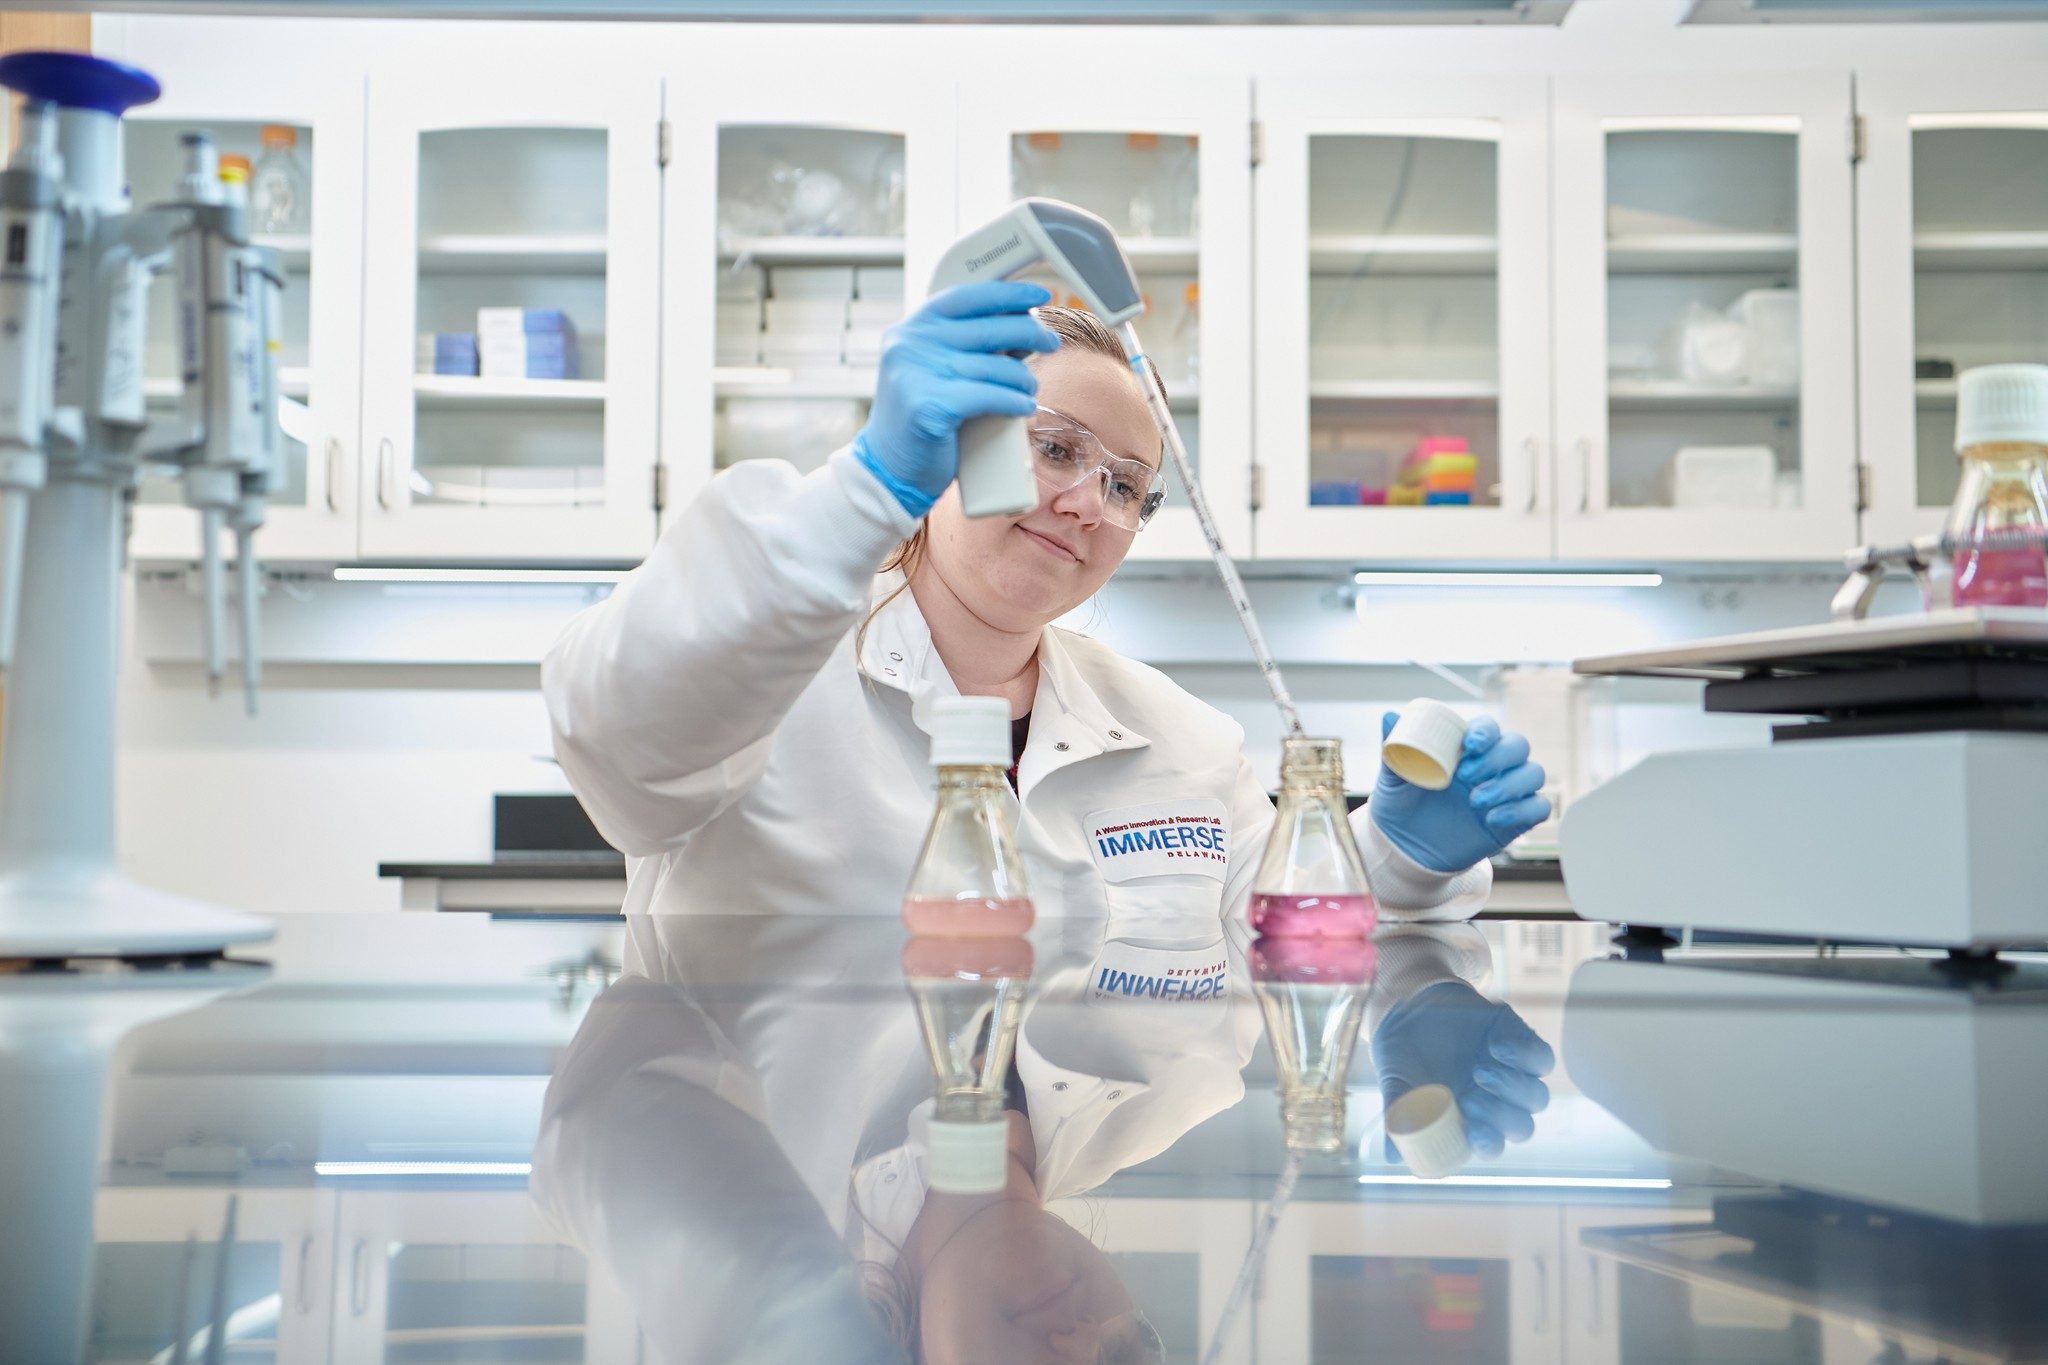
<point x="969" y="878"/>
<point x="1312" y="992"/>
<point x="1311" y="880"/>
<point x="969" y="994"/>
<point x="1996" y="525"/>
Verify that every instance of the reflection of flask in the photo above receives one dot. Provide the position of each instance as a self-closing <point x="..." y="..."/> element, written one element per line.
<point x="2001" y="510"/>
<point x="970" y="995"/>
<point x="969" y="879"/>
<point x="278" y="200"/>
<point x="1311" y="880"/>
<point x="1313" y="995"/>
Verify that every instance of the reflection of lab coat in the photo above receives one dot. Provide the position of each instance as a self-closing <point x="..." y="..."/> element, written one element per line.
<point x="716" y="724"/>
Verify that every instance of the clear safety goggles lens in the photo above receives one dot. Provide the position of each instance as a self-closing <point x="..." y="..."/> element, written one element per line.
<point x="1066" y="453"/>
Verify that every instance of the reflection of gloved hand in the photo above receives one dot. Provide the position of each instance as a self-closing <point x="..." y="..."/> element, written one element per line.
<point x="1451" y="1035"/>
<point x="1490" y="803"/>
<point x="944" y="365"/>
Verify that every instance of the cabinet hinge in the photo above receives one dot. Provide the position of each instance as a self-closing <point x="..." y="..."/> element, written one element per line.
<point x="1258" y="142"/>
<point x="1258" y="487"/>
<point x="661" y="488"/>
<point x="1862" y="487"/>
<point x="663" y="143"/>
<point x="1859" y="138"/>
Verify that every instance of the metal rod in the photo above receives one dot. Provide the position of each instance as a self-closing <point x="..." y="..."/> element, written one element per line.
<point x="1226" y="569"/>
<point x="246" y="584"/>
<point x="214" y="591"/>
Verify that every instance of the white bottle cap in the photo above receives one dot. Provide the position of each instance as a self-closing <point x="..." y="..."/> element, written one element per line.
<point x="1425" y="744"/>
<point x="967" y="1158"/>
<point x="1428" y="1131"/>
<point x="2002" y="403"/>
<point x="971" y="731"/>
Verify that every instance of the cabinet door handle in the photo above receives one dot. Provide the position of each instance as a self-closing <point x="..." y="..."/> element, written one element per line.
<point x="1541" y="1324"/>
<point x="303" y="1300"/>
<point x="333" y="473"/>
<point x="1595" y="1313"/>
<point x="385" y="495"/>
<point x="358" y="1298"/>
<point x="1530" y="464"/>
<point x="1585" y="473"/>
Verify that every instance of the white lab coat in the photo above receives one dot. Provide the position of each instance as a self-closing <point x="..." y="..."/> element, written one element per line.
<point x="716" y="724"/>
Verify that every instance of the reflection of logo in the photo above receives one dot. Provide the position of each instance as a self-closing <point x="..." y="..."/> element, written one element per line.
<point x="1202" y="983"/>
<point x="1004" y="249"/>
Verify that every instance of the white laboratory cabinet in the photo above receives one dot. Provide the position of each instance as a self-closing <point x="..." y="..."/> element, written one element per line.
<point x="1703" y="269"/>
<point x="1167" y="163"/>
<point x="1404" y="300"/>
<point x="1952" y="253"/>
<point x="491" y="186"/>
<point x="799" y="223"/>
<point x="313" y="516"/>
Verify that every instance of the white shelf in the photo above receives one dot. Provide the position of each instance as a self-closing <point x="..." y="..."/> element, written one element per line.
<point x="1980" y="250"/>
<point x="293" y="381"/>
<point x="1406" y="391"/>
<point x="1936" y="391"/>
<point x="1403" y="254"/>
<point x="512" y="254"/>
<point x="1702" y="253"/>
<point x="296" y="249"/>
<point x="814" y="250"/>
<point x="456" y="391"/>
<point x="1163" y="253"/>
<point x="1676" y="394"/>
<point x="768" y="382"/>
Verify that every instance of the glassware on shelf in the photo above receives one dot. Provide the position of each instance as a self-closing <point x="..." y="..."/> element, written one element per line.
<point x="280" y="201"/>
<point x="1036" y="159"/>
<point x="969" y="880"/>
<point x="969" y="994"/>
<point x="1312" y="993"/>
<point x="1189" y="333"/>
<point x="1311" y="880"/>
<point x="1997" y="525"/>
<point x="1141" y="219"/>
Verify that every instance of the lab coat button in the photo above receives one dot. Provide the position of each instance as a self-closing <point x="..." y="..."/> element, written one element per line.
<point x="1116" y="734"/>
<point x="1116" y="1094"/>
<point x="1061" y="746"/>
<point x="890" y="671"/>
<point x="894" y="657"/>
<point x="1059" y="1085"/>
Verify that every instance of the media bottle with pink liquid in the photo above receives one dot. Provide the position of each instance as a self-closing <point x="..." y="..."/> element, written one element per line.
<point x="1997" y="530"/>
<point x="1311" y="880"/>
<point x="969" y="879"/>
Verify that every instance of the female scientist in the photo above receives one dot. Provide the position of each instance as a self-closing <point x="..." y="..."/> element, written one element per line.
<point x="744" y="716"/>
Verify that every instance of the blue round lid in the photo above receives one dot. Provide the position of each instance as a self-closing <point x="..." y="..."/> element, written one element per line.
<point x="78" y="80"/>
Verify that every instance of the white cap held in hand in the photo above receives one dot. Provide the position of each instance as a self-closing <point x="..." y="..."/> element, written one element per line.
<point x="2002" y="403"/>
<point x="1428" y="1131"/>
<point x="971" y="731"/>
<point x="1425" y="744"/>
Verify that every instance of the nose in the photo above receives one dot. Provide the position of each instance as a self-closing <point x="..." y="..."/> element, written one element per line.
<point x="1085" y="499"/>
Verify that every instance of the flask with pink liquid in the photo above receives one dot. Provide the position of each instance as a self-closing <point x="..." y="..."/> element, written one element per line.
<point x="969" y="879"/>
<point x="1311" y="879"/>
<point x="1997" y="525"/>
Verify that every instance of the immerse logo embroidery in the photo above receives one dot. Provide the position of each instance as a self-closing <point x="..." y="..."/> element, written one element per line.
<point x="1161" y="838"/>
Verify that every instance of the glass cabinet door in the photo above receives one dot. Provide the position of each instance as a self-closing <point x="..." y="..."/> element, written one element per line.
<point x="1953" y="233"/>
<point x="1167" y="166"/>
<point x="511" y="328"/>
<point x="1403" y="383"/>
<point x="1704" y="286"/>
<point x="305" y="150"/>
<point x="781" y="283"/>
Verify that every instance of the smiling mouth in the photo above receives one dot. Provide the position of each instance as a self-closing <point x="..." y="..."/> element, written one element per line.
<point x="1052" y="545"/>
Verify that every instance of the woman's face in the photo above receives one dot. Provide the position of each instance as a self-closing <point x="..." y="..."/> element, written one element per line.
<point x="1018" y="573"/>
<point x="1017" y="1286"/>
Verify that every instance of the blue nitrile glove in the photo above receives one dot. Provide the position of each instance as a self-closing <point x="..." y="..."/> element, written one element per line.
<point x="1490" y="803"/>
<point x="946" y="364"/>
<point x="1451" y="1035"/>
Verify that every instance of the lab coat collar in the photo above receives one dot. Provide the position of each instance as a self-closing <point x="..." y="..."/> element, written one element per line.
<point x="1069" y="721"/>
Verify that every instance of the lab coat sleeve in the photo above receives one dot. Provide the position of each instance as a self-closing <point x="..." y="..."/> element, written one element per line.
<point x="664" y="697"/>
<point x="1402" y="887"/>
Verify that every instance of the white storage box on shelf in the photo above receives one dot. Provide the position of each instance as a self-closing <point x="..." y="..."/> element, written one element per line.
<point x="801" y="432"/>
<point x="1772" y="319"/>
<point x="1723" y="477"/>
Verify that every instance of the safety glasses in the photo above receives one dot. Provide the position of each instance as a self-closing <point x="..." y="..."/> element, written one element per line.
<point x="1066" y="453"/>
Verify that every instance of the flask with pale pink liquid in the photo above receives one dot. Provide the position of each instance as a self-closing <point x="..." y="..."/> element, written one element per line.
<point x="969" y="880"/>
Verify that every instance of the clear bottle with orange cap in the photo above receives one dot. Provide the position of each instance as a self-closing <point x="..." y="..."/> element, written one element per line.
<point x="280" y="200"/>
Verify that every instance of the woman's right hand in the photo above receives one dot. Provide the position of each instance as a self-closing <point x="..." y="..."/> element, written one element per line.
<point x="943" y="366"/>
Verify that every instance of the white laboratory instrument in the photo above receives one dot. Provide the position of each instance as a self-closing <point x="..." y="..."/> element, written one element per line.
<point x="74" y="437"/>
<point x="1905" y="811"/>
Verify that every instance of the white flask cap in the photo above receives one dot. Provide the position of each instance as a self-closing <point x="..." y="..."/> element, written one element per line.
<point x="971" y="731"/>
<point x="1425" y="744"/>
<point x="968" y="1158"/>
<point x="1428" y="1131"/>
<point x="2002" y="403"/>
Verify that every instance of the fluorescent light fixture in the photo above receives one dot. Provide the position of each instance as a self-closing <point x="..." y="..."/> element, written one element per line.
<point x="373" y="1168"/>
<point x="1522" y="1182"/>
<point x="1373" y="578"/>
<point x="570" y="576"/>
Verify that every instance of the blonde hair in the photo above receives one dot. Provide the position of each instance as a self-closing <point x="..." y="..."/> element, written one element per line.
<point x="1074" y="327"/>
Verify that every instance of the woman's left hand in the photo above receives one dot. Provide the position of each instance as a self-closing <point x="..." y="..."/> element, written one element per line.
<point x="1490" y="803"/>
